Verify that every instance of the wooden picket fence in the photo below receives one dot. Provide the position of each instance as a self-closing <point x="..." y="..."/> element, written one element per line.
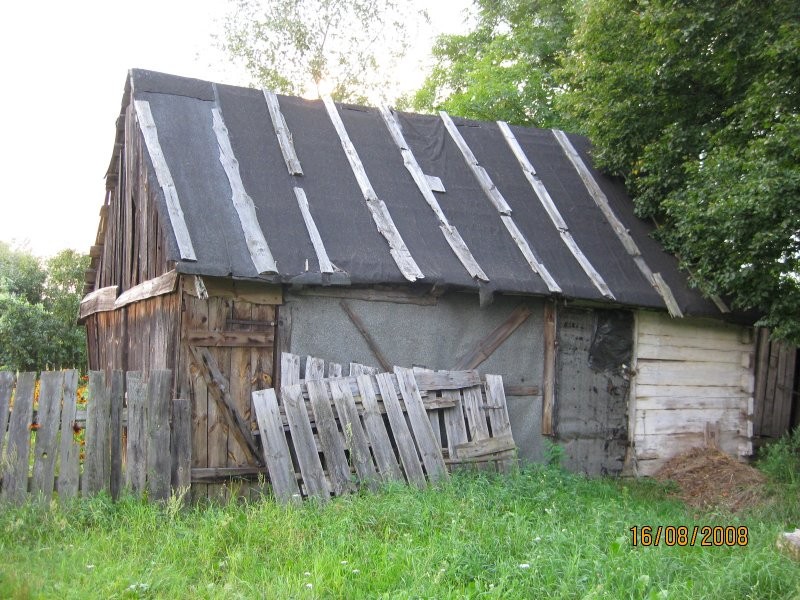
<point x="130" y="434"/>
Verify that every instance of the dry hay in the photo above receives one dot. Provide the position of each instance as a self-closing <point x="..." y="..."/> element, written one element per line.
<point x="708" y="478"/>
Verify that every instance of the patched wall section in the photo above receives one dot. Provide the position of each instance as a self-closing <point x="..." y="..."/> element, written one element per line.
<point x="594" y="352"/>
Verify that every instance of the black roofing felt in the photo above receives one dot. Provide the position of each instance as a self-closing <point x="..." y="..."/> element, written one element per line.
<point x="182" y="110"/>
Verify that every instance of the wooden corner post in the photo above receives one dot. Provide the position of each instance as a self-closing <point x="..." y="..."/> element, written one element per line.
<point x="549" y="368"/>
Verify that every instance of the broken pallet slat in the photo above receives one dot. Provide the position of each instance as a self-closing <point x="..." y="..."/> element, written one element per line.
<point x="476" y="418"/>
<point x="290" y="369"/>
<point x="330" y="440"/>
<point x="420" y="425"/>
<point x="303" y="440"/>
<point x="428" y="380"/>
<point x="402" y="435"/>
<point x="277" y="455"/>
<point x="355" y="436"/>
<point x="373" y="423"/>
<point x="454" y="424"/>
<point x="485" y="447"/>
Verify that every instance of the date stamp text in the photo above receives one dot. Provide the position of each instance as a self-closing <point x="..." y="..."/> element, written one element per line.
<point x="695" y="535"/>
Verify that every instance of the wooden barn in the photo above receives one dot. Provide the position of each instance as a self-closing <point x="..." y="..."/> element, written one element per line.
<point x="238" y="224"/>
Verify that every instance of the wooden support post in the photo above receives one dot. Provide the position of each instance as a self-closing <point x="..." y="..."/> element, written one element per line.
<point x="549" y="369"/>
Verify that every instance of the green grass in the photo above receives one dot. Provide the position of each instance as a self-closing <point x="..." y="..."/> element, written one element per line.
<point x="469" y="537"/>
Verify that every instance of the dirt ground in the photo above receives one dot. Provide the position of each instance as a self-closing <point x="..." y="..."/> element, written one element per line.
<point x="708" y="478"/>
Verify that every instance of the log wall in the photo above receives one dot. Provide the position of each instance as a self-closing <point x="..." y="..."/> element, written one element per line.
<point x="693" y="385"/>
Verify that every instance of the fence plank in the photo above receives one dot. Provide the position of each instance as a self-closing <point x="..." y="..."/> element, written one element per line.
<point x="498" y="413"/>
<point x="290" y="369"/>
<point x="373" y="422"/>
<point x="158" y="456"/>
<point x="355" y="436"/>
<point x="402" y="435"/>
<point x="98" y="414"/>
<point x="46" y="448"/>
<point x="276" y="450"/>
<point x="6" y="387"/>
<point x="70" y="450"/>
<point x="181" y="444"/>
<point x="135" y="475"/>
<point x="304" y="445"/>
<point x="476" y="418"/>
<point x="429" y="449"/>
<point x="315" y="368"/>
<point x="117" y="399"/>
<point x="15" y="471"/>
<point x="329" y="437"/>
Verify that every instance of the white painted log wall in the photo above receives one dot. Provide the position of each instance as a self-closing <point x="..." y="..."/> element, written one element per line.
<point x="689" y="372"/>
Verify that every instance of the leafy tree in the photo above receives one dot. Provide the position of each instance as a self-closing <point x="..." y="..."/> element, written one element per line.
<point x="697" y="105"/>
<point x="38" y="310"/>
<point x="505" y="68"/>
<point x="300" y="46"/>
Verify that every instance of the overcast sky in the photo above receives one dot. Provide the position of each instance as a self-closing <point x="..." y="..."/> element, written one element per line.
<point x="64" y="68"/>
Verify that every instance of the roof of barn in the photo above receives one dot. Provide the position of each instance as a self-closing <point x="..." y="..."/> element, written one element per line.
<point x="538" y="221"/>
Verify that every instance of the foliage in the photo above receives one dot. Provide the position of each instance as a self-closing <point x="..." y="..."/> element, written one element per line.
<point x="697" y="106"/>
<point x="301" y="46"/>
<point x="781" y="459"/>
<point x="505" y="67"/>
<point x="38" y="310"/>
<point x="537" y="533"/>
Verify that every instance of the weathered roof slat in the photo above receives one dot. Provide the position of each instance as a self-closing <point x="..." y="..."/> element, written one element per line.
<point x="499" y="202"/>
<point x="599" y="197"/>
<point x="176" y="217"/>
<point x="380" y="213"/>
<point x="325" y="265"/>
<point x="552" y="210"/>
<point x="283" y="133"/>
<point x="424" y="183"/>
<point x="245" y="208"/>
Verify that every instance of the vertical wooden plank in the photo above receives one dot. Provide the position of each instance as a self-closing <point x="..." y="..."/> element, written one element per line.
<point x="15" y="460"/>
<point x="549" y="369"/>
<point x="426" y="442"/>
<point x="158" y="456"/>
<point x="303" y="441"/>
<point x="195" y="317"/>
<point x="241" y="388"/>
<point x="498" y="413"/>
<point x="376" y="430"/>
<point x="180" y="442"/>
<point x="217" y="425"/>
<point x="435" y="416"/>
<point x="48" y="419"/>
<point x="477" y="426"/>
<point x="330" y="439"/>
<point x="283" y="340"/>
<point x="290" y="369"/>
<point x="117" y="399"/>
<point x="355" y="437"/>
<point x="277" y="456"/>
<point x="315" y="368"/>
<point x="136" y="453"/>
<point x="334" y="370"/>
<point x="97" y="466"/>
<point x="262" y="377"/>
<point x="762" y="367"/>
<point x="69" y="450"/>
<point x="454" y="425"/>
<point x="6" y="387"/>
<point x="402" y="436"/>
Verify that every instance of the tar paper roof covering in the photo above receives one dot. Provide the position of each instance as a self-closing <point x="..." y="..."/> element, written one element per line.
<point x="182" y="111"/>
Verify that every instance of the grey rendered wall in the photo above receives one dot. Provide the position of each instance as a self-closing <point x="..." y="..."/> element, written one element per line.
<point x="593" y="388"/>
<point x="434" y="337"/>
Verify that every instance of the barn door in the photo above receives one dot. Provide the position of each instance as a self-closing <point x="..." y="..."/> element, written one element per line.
<point x="228" y="346"/>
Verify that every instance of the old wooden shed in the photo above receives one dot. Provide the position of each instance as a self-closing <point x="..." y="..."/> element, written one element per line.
<point x="249" y="224"/>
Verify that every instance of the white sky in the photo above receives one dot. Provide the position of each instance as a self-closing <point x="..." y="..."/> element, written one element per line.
<point x="63" y="72"/>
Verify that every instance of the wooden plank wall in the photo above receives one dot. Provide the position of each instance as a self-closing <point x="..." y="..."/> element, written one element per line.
<point x="239" y="335"/>
<point x="690" y="375"/>
<point x="130" y="247"/>
<point x="776" y="397"/>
